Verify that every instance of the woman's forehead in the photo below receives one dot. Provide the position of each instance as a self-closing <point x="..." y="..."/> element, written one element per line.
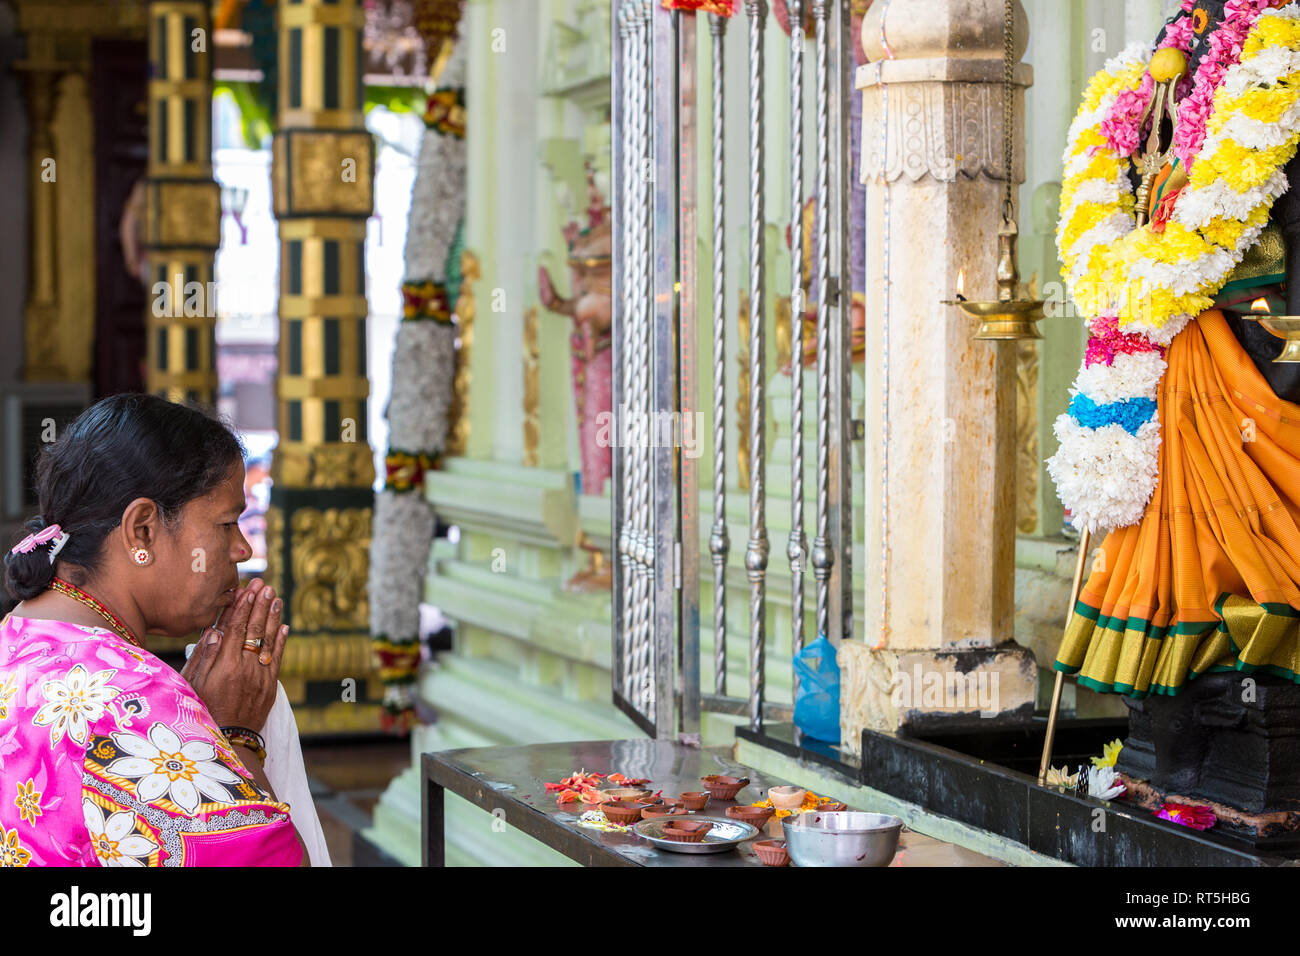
<point x="229" y="494"/>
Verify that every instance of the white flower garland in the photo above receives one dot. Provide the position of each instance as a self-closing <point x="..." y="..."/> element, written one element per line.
<point x="402" y="520"/>
<point x="424" y="364"/>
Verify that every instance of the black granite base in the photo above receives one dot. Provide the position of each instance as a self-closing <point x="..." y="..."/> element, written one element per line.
<point x="1008" y="802"/>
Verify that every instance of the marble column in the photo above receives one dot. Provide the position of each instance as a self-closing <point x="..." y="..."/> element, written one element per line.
<point x="182" y="206"/>
<point x="318" y="525"/>
<point x="940" y="451"/>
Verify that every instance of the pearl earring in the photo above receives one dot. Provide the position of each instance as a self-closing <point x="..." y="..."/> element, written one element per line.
<point x="140" y="555"/>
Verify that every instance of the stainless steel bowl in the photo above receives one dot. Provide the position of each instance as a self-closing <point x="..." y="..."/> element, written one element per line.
<point x="843" y="838"/>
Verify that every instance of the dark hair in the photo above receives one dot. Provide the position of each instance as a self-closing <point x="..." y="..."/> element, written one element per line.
<point x="121" y="448"/>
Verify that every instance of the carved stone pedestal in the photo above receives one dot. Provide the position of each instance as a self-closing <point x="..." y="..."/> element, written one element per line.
<point x="1230" y="740"/>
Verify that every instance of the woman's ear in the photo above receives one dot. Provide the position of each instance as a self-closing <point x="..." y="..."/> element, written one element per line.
<point x="141" y="522"/>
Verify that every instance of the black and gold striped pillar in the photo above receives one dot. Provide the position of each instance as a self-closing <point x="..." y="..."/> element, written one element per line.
<point x="183" y="205"/>
<point x="318" y="526"/>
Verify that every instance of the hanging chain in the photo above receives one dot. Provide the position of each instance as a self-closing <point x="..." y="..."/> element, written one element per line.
<point x="1008" y="66"/>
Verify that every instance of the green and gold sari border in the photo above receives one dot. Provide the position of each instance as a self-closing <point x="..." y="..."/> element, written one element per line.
<point x="1149" y="631"/>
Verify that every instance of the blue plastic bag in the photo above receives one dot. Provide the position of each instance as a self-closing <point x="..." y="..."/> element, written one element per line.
<point x="817" y="703"/>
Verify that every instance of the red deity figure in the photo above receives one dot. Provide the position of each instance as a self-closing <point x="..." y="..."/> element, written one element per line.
<point x="590" y="309"/>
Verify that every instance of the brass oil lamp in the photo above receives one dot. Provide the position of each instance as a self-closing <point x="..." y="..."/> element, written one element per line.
<point x="1008" y="317"/>
<point x="1286" y="327"/>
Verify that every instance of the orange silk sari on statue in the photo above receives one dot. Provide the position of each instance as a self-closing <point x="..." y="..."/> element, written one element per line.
<point x="1210" y="578"/>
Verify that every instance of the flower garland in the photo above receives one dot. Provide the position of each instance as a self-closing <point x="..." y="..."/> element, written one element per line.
<point x="424" y="366"/>
<point x="721" y="8"/>
<point x="1237" y="128"/>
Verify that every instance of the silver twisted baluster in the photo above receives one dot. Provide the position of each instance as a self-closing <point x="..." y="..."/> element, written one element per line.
<point x="757" y="546"/>
<point x="627" y="252"/>
<point x="645" y="215"/>
<point x="719" y="544"/>
<point x="636" y="62"/>
<point x="798" y="544"/>
<point x="823" y="555"/>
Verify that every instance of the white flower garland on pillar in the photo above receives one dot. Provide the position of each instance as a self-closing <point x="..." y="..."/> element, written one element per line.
<point x="424" y="366"/>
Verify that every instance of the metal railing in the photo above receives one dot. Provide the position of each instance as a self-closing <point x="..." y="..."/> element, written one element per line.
<point x="656" y="578"/>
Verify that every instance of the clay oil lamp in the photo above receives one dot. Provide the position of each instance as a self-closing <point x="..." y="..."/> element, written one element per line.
<point x="694" y="800"/>
<point x="771" y="852"/>
<point x="1286" y="327"/>
<point x="686" y="831"/>
<point x="831" y="806"/>
<point x="623" y="812"/>
<point x="625" y="793"/>
<point x="756" y="817"/>
<point x="723" y="787"/>
<point x="663" y="803"/>
<point x="787" y="798"/>
<point x="668" y="808"/>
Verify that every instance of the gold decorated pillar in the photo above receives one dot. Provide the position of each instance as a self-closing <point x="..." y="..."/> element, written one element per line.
<point x="183" y="205"/>
<point x="318" y="526"/>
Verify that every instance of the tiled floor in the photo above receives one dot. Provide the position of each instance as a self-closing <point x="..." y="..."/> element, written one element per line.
<point x="347" y="780"/>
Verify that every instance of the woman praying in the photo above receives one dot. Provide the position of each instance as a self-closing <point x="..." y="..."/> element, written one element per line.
<point x="108" y="756"/>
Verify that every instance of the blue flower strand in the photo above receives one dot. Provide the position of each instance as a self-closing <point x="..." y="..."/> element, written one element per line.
<point x="1131" y="414"/>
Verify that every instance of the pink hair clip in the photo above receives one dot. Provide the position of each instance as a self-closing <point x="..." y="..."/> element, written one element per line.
<point x="29" y="543"/>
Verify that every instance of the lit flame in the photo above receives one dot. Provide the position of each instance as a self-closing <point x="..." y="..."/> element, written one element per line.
<point x="961" y="282"/>
<point x="1259" y="305"/>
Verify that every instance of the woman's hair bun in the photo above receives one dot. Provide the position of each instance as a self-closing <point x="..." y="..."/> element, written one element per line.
<point x="27" y="575"/>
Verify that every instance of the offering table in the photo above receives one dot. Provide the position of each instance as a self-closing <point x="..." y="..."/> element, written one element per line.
<point x="510" y="783"/>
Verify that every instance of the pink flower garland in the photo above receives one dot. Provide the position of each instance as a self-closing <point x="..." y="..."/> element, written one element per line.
<point x="1120" y="127"/>
<point x="1106" y="341"/>
<point x="1226" y="44"/>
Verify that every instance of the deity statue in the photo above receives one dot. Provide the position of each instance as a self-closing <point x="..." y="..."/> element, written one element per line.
<point x="591" y="312"/>
<point x="1182" y="440"/>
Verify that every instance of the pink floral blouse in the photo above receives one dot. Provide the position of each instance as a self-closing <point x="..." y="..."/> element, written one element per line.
<point x="109" y="758"/>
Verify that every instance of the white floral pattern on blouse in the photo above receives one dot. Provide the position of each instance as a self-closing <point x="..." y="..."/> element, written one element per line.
<point x="114" y="839"/>
<point x="74" y="703"/>
<point x="164" y="764"/>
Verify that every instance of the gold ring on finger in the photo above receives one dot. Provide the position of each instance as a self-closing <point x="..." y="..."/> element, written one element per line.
<point x="252" y="644"/>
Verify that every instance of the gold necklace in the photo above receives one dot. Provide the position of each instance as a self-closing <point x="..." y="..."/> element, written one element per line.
<point x="114" y="622"/>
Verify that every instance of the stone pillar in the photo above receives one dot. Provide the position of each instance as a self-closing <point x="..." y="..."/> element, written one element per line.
<point x="318" y="526"/>
<point x="182" y="205"/>
<point x="940" y="451"/>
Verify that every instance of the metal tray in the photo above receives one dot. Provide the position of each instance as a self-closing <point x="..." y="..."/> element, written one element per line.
<point x="725" y="835"/>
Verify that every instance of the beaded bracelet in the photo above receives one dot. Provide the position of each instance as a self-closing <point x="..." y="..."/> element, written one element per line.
<point x="244" y="737"/>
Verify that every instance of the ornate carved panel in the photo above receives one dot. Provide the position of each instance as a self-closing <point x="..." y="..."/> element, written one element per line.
<point x="333" y="465"/>
<point x="330" y="550"/>
<point x="323" y="173"/>
<point x="937" y="129"/>
<point x="466" y="310"/>
<point x="184" y="213"/>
